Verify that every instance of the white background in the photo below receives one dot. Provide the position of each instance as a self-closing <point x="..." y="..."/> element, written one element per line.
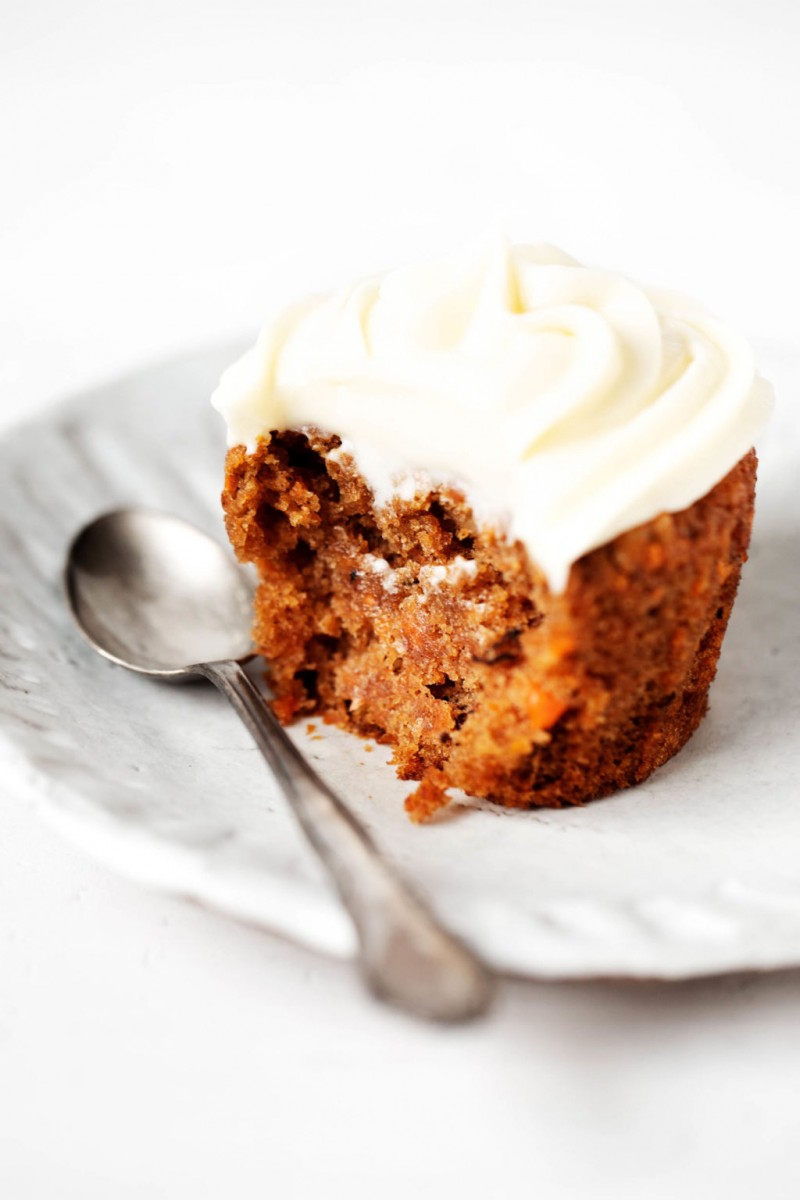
<point x="170" y="170"/>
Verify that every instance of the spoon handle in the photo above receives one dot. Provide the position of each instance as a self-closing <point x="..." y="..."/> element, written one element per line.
<point x="407" y="958"/>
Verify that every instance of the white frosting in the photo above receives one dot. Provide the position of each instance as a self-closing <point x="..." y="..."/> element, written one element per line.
<point x="455" y="573"/>
<point x="379" y="566"/>
<point x="431" y="576"/>
<point x="567" y="402"/>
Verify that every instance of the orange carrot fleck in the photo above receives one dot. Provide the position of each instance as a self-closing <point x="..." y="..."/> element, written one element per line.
<point x="544" y="709"/>
<point x="655" y="556"/>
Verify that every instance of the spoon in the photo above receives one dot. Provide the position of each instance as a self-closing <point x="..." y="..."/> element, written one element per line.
<point x="156" y="595"/>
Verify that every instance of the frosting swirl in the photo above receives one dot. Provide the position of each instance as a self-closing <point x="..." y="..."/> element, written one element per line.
<point x="567" y="402"/>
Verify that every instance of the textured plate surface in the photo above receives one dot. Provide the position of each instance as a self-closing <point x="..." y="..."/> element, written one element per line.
<point x="697" y="871"/>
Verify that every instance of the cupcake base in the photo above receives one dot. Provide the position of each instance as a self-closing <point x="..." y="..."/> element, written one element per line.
<point x="412" y="625"/>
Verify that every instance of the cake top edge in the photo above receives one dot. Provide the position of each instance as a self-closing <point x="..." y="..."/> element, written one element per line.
<point x="568" y="403"/>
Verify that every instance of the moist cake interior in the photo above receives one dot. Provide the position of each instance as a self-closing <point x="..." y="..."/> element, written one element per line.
<point x="412" y="625"/>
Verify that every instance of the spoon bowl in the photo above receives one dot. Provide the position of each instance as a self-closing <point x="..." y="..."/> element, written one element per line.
<point x="157" y="595"/>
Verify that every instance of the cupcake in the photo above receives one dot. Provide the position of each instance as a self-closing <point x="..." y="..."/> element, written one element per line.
<point x="499" y="505"/>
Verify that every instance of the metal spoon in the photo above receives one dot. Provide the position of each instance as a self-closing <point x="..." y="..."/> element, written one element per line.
<point x="156" y="595"/>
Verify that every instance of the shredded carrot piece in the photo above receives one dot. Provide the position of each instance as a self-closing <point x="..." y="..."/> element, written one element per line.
<point x="655" y="556"/>
<point x="544" y="709"/>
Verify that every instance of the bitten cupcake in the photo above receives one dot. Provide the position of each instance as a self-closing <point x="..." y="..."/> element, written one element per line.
<point x="499" y="505"/>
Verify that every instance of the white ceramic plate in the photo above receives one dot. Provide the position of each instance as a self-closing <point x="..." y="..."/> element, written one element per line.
<point x="696" y="871"/>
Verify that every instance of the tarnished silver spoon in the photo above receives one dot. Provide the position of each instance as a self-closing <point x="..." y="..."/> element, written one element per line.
<point x="156" y="595"/>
